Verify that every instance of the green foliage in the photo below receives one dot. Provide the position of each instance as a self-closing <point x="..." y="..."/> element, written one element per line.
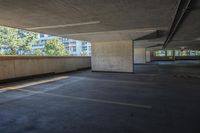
<point x="19" y="42"/>
<point x="84" y="54"/>
<point x="1" y="52"/>
<point x="27" y="41"/>
<point x="54" y="47"/>
<point x="16" y="40"/>
<point x="38" y="52"/>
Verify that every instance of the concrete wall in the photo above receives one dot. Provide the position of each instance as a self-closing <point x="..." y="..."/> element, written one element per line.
<point x="21" y="66"/>
<point x="114" y="56"/>
<point x="171" y="58"/>
<point x="139" y="56"/>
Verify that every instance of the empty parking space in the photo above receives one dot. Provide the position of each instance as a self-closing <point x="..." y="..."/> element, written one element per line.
<point x="86" y="101"/>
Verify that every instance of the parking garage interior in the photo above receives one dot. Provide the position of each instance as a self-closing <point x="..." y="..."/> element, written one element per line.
<point x="143" y="75"/>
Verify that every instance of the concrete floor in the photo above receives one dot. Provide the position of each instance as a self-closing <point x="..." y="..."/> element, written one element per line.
<point x="162" y="97"/>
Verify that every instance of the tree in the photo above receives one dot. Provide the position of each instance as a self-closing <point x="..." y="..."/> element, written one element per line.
<point x="38" y="52"/>
<point x="53" y="47"/>
<point x="1" y="52"/>
<point x="28" y="39"/>
<point x="16" y="40"/>
<point x="84" y="53"/>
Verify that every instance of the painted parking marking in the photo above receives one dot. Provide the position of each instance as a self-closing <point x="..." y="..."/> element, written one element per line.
<point x="90" y="99"/>
<point x="1" y="91"/>
<point x="22" y="86"/>
<point x="121" y="81"/>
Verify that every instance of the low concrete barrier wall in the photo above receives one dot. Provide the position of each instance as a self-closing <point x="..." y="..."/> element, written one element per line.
<point x="170" y="58"/>
<point x="22" y="66"/>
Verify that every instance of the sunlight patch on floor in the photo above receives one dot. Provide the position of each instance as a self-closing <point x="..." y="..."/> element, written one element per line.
<point x="32" y="83"/>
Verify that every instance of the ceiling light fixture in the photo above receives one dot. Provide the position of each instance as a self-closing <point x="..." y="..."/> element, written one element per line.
<point x="62" y="26"/>
<point x="198" y="39"/>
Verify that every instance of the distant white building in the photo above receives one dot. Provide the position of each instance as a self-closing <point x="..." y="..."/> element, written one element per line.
<point x="74" y="47"/>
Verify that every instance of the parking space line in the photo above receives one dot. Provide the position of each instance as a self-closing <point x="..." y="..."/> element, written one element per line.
<point x="90" y="99"/>
<point x="21" y="88"/>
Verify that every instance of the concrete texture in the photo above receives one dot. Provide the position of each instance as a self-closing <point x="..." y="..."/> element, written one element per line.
<point x="148" y="56"/>
<point x="139" y="55"/>
<point x="171" y="58"/>
<point x="115" y="56"/>
<point x="127" y="14"/>
<point x="93" y="102"/>
<point x="89" y="20"/>
<point x="109" y="20"/>
<point x="188" y="34"/>
<point x="16" y="66"/>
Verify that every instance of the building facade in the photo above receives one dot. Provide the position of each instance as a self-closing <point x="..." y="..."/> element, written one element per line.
<point x="74" y="47"/>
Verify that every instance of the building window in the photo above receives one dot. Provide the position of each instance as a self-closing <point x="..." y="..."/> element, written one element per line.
<point x="41" y="35"/>
<point x="66" y="43"/>
<point x="67" y="48"/>
<point x="65" y="40"/>
<point x="74" y="48"/>
<point x="84" y="43"/>
<point x="84" y="47"/>
<point x="73" y="42"/>
<point x="43" y="41"/>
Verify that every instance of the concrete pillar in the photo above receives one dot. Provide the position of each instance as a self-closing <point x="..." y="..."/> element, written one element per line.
<point x="113" y="56"/>
<point x="148" y="56"/>
<point x="174" y="56"/>
<point x="139" y="55"/>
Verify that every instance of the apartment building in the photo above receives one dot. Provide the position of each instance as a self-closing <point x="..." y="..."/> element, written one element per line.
<point x="74" y="47"/>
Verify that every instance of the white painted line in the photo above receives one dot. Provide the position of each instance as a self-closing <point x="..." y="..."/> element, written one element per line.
<point x="19" y="87"/>
<point x="90" y="99"/>
<point x="1" y="91"/>
<point x="118" y="81"/>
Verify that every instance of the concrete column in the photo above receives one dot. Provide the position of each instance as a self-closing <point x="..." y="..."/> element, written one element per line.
<point x="148" y="56"/>
<point x="139" y="55"/>
<point x="113" y="56"/>
<point x="174" y="56"/>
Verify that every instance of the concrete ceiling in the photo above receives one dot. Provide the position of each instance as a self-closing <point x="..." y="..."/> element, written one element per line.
<point x="188" y="34"/>
<point x="93" y="20"/>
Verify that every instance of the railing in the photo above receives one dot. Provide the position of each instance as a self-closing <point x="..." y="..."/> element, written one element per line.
<point x="23" y="66"/>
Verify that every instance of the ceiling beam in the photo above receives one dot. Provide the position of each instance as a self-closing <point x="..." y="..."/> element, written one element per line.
<point x="183" y="8"/>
